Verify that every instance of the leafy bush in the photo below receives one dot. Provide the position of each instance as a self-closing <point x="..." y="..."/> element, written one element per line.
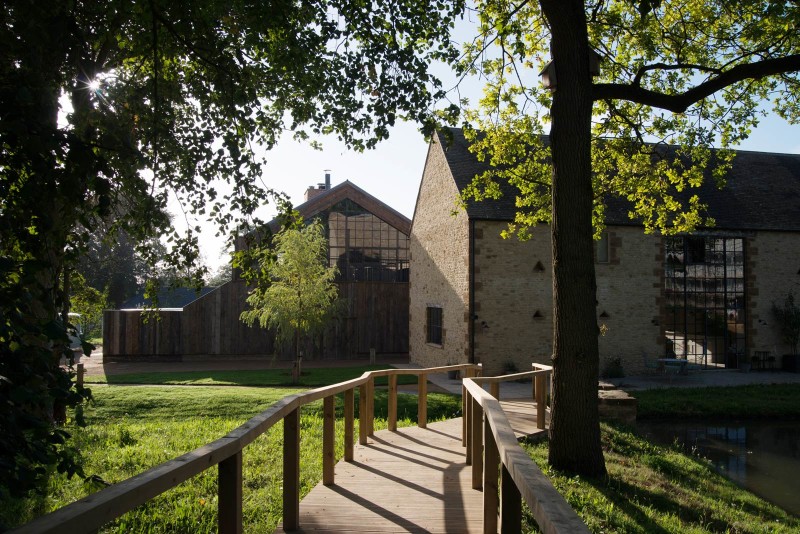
<point x="788" y="316"/>
<point x="613" y="368"/>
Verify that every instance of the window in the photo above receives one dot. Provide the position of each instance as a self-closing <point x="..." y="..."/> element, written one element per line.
<point x="364" y="247"/>
<point x="434" y="323"/>
<point x="704" y="296"/>
<point x="602" y="255"/>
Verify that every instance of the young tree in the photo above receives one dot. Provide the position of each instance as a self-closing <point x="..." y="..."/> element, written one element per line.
<point x="90" y="303"/>
<point x="685" y="76"/>
<point x="299" y="296"/>
<point x="110" y="107"/>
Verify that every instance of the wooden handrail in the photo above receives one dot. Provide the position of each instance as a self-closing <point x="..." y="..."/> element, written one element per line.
<point x="95" y="510"/>
<point x="520" y="477"/>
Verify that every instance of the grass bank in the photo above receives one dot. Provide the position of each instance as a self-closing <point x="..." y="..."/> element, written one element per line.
<point x="650" y="488"/>
<point x="131" y="429"/>
<point x="768" y="401"/>
<point x="311" y="377"/>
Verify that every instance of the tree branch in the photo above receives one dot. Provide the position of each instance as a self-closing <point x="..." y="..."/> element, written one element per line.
<point x="664" y="66"/>
<point x="680" y="102"/>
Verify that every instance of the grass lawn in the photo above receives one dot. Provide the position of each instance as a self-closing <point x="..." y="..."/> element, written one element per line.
<point x="311" y="377"/>
<point x="131" y="429"/>
<point x="649" y="488"/>
<point x="755" y="402"/>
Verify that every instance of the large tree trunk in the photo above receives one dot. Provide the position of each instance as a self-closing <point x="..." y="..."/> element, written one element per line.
<point x="575" y="427"/>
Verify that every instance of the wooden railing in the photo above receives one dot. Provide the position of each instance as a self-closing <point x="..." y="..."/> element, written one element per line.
<point x="92" y="512"/>
<point x="495" y="454"/>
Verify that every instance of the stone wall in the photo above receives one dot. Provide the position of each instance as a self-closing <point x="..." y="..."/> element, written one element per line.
<point x="439" y="275"/>
<point x="513" y="299"/>
<point x="628" y="299"/>
<point x="774" y="262"/>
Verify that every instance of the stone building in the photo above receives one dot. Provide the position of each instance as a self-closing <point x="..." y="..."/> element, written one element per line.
<point x="706" y="297"/>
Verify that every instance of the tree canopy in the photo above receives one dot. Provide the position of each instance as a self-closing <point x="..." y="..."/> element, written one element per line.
<point x="679" y="85"/>
<point x="109" y="108"/>
<point x="298" y="296"/>
<point x="690" y="75"/>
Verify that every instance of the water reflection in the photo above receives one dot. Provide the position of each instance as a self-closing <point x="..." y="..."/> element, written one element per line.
<point x="763" y="457"/>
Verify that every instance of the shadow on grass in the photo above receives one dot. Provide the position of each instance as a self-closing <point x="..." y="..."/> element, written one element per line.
<point x="311" y="377"/>
<point x="441" y="406"/>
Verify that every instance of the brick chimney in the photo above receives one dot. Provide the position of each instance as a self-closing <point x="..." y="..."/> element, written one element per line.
<point x="320" y="188"/>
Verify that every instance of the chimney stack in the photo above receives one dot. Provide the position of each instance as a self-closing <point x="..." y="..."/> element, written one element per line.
<point x="312" y="191"/>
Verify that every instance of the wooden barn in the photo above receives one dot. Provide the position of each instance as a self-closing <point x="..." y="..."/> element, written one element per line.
<point x="367" y="240"/>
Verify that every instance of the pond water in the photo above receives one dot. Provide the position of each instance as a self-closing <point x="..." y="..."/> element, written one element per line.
<point x="762" y="457"/>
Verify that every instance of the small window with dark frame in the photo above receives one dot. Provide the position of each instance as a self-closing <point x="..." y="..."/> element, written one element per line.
<point x="434" y="330"/>
<point x="602" y="247"/>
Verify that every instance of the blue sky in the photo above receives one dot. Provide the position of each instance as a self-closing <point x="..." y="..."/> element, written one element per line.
<point x="392" y="172"/>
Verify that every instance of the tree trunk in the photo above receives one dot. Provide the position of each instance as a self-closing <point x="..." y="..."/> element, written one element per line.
<point x="575" y="427"/>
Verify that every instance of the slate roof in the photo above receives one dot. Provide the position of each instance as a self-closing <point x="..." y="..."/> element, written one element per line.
<point x="174" y="298"/>
<point x="762" y="192"/>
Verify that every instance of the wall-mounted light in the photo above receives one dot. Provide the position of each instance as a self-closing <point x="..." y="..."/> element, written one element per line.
<point x="539" y="268"/>
<point x="604" y="315"/>
<point x="654" y="321"/>
<point x="485" y="325"/>
<point x="538" y="315"/>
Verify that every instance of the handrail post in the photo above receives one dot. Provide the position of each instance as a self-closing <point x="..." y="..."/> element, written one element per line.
<point x="510" y="504"/>
<point x="422" y="401"/>
<point x="467" y="374"/>
<point x="291" y="470"/>
<point x="349" y="406"/>
<point x="371" y="406"/>
<point x="392" y="403"/>
<point x="328" y="440"/>
<point x="477" y="447"/>
<point x="541" y="399"/>
<point x="468" y="432"/>
<point x="494" y="390"/>
<point x="490" y="473"/>
<point x="362" y="414"/>
<point x="229" y="516"/>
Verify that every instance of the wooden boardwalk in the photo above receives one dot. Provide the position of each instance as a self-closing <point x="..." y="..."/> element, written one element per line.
<point x="412" y="480"/>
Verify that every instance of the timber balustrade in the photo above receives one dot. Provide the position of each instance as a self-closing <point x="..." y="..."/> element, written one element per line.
<point x="491" y="445"/>
<point x="494" y="454"/>
<point x="97" y="509"/>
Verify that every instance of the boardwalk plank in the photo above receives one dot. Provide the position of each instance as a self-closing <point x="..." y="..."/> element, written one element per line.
<point x="412" y="480"/>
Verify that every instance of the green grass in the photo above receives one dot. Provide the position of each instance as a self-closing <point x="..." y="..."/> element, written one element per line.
<point x="311" y="377"/>
<point x="756" y="401"/>
<point x="650" y="488"/>
<point x="131" y="429"/>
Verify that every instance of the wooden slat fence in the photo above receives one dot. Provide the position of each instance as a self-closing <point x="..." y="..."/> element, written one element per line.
<point x="520" y="476"/>
<point x="375" y="316"/>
